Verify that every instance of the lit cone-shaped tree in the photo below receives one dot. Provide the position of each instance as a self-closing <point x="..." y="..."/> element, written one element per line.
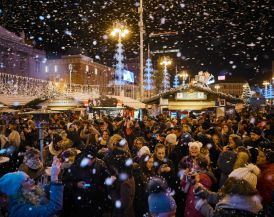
<point x="176" y="81"/>
<point x="246" y="95"/>
<point x="119" y="66"/>
<point x="148" y="81"/>
<point x="166" y="77"/>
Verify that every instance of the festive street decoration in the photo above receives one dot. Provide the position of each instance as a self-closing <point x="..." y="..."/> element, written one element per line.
<point x="176" y="81"/>
<point x="204" y="79"/>
<point x="148" y="76"/>
<point x="166" y="77"/>
<point x="119" y="66"/>
<point x="246" y="95"/>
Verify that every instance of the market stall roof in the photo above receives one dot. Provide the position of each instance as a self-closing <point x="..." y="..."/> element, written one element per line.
<point x="130" y="102"/>
<point x="60" y="103"/>
<point x="41" y="111"/>
<point x="15" y="100"/>
<point x="208" y="90"/>
<point x="8" y="110"/>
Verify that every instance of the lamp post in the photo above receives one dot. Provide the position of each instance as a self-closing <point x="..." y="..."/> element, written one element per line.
<point x="121" y="31"/>
<point x="141" y="25"/>
<point x="184" y="76"/>
<point x="166" y="83"/>
<point x="217" y="87"/>
<point x="70" y="71"/>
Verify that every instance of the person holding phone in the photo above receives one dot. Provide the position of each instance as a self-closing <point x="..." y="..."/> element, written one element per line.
<point x="27" y="199"/>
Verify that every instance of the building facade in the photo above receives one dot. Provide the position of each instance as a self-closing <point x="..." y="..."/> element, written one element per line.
<point x="19" y="58"/>
<point x="79" y="69"/>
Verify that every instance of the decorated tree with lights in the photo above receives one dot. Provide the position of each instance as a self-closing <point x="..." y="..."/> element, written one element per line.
<point x="246" y="95"/>
<point x="176" y="81"/>
<point x="166" y="76"/>
<point x="271" y="94"/>
<point x="119" y="66"/>
<point x="166" y="80"/>
<point x="148" y="76"/>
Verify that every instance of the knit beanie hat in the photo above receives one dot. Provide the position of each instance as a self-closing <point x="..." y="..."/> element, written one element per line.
<point x="249" y="173"/>
<point x="171" y="138"/>
<point x="161" y="203"/>
<point x="11" y="182"/>
<point x="142" y="151"/>
<point x="196" y="143"/>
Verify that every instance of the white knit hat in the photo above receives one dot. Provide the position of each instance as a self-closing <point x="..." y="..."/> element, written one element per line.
<point x="142" y="151"/>
<point x="171" y="138"/>
<point x="196" y="143"/>
<point x="249" y="173"/>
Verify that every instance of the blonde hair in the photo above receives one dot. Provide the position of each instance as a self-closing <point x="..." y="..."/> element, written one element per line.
<point x="114" y="140"/>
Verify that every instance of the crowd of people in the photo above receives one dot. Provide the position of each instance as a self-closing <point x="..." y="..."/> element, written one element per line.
<point x="195" y="166"/>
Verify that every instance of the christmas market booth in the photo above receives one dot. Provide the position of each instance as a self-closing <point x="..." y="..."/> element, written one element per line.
<point x="61" y="103"/>
<point x="115" y="105"/>
<point x="188" y="98"/>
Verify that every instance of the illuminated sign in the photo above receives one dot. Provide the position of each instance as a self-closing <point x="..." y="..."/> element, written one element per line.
<point x="191" y="96"/>
<point x="128" y="76"/>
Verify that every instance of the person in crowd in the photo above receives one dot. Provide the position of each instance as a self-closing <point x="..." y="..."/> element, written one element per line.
<point x="258" y="141"/>
<point x="203" y="176"/>
<point x="234" y="141"/>
<point x="3" y="139"/>
<point x="189" y="163"/>
<point x="170" y="143"/>
<point x="243" y="157"/>
<point x="164" y="166"/>
<point x="224" y="134"/>
<point x="27" y="199"/>
<point x="160" y="201"/>
<point x="215" y="150"/>
<point x="102" y="141"/>
<point x="14" y="136"/>
<point x="85" y="185"/>
<point x="225" y="163"/>
<point x="32" y="165"/>
<point x="74" y="136"/>
<point x="265" y="161"/>
<point x="123" y="193"/>
<point x="138" y="143"/>
<point x="238" y="197"/>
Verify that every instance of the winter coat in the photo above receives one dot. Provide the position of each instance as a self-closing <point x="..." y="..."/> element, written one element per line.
<point x="124" y="193"/>
<point x="93" y="196"/>
<point x="232" y="206"/>
<point x="265" y="184"/>
<point x="190" y="211"/>
<point x="19" y="209"/>
<point x="170" y="176"/>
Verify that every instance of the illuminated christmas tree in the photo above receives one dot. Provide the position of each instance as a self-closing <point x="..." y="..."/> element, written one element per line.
<point x="148" y="76"/>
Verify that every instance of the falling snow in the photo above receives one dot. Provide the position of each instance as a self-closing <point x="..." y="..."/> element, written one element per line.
<point x="207" y="33"/>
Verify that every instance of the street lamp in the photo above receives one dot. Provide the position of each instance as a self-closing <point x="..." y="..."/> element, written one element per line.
<point x="166" y="83"/>
<point x="184" y="76"/>
<point x="70" y="71"/>
<point x="120" y="30"/>
<point x="141" y="25"/>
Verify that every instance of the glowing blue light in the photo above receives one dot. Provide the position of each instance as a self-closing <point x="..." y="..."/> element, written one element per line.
<point x="41" y="17"/>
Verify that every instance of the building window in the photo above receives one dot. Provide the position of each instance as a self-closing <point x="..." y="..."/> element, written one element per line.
<point x="55" y="68"/>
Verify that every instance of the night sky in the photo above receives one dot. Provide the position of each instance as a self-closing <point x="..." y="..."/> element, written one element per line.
<point x="221" y="36"/>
